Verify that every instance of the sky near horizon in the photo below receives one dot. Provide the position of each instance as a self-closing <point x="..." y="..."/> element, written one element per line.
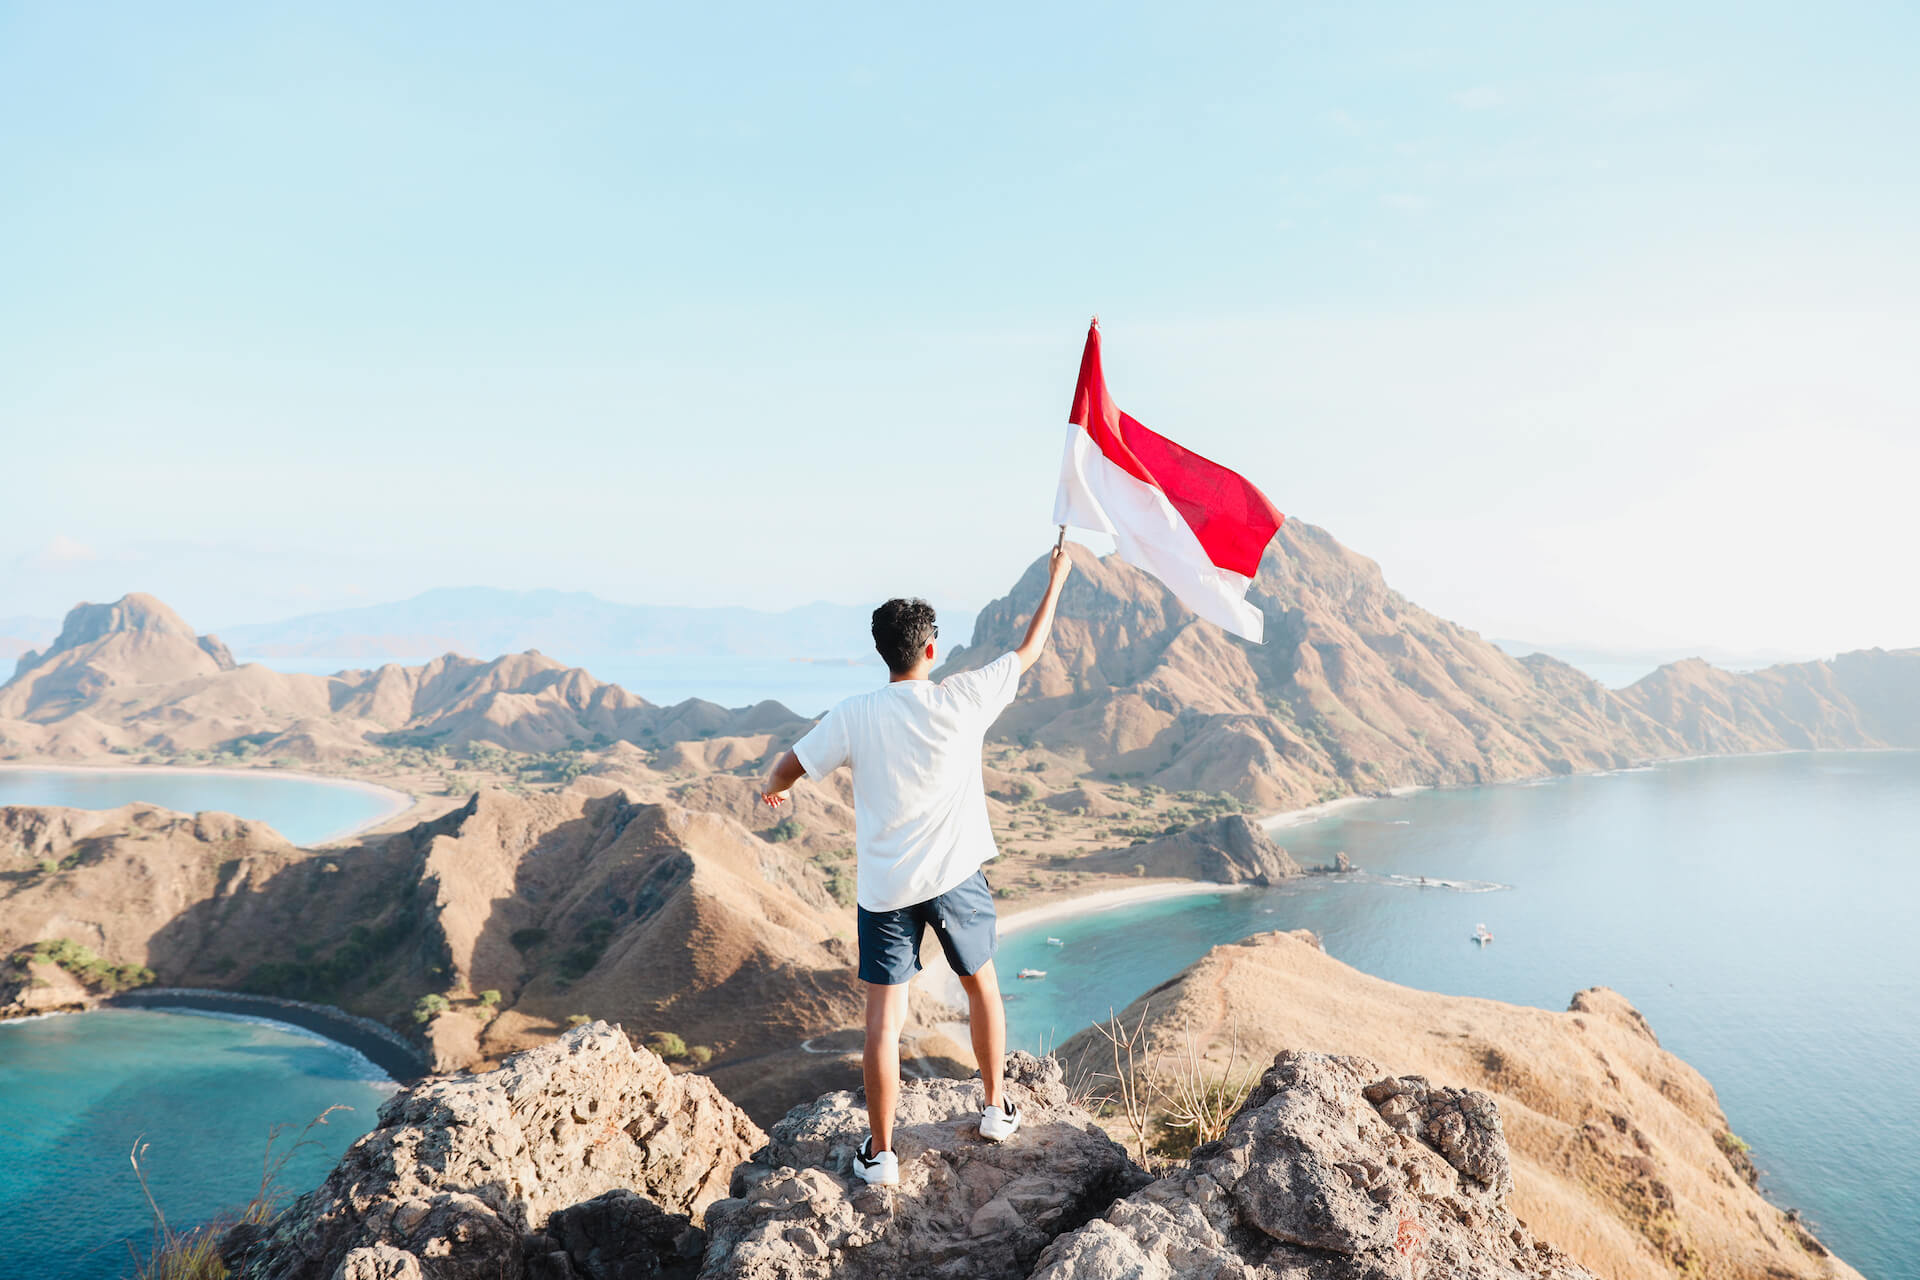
<point x="1588" y="322"/>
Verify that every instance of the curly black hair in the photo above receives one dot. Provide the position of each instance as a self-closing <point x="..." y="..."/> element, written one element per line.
<point x="901" y="629"/>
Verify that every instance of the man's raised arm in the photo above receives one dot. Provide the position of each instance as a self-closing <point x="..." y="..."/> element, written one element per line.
<point x="1042" y="625"/>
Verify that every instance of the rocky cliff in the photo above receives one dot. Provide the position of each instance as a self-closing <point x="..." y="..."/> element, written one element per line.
<point x="588" y="1161"/>
<point x="459" y="1177"/>
<point x="1618" y="1150"/>
<point x="1229" y="850"/>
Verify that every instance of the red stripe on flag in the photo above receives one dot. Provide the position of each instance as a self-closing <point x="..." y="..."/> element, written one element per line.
<point x="1233" y="519"/>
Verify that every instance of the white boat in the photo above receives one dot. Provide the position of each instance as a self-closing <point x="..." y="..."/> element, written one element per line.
<point x="1482" y="934"/>
<point x="1055" y="942"/>
<point x="1033" y="973"/>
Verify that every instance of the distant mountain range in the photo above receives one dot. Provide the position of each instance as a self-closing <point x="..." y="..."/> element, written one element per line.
<point x="1615" y="666"/>
<point x="1359" y="690"/>
<point x="574" y="625"/>
<point x="133" y="674"/>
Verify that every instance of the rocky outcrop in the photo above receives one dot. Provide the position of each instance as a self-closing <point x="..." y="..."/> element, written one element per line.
<point x="1314" y="1180"/>
<point x="964" y="1207"/>
<point x="458" y="1171"/>
<point x="1229" y="850"/>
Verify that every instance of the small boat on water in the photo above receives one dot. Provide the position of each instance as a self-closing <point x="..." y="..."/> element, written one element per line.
<point x="1055" y="942"/>
<point x="1482" y="934"/>
<point x="1033" y="973"/>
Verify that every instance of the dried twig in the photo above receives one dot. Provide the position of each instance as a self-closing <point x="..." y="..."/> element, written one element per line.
<point x="1134" y="1087"/>
<point x="1202" y="1103"/>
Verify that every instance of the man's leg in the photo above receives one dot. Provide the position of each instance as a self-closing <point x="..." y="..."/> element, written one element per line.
<point x="987" y="1020"/>
<point x="886" y="1018"/>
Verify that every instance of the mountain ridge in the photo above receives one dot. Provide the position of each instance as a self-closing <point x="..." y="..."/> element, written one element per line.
<point x="1358" y="690"/>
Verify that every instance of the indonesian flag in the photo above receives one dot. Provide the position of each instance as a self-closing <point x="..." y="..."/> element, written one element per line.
<point x="1191" y="523"/>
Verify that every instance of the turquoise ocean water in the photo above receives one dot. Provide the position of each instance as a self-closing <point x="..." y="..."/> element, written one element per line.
<point x="1759" y="910"/>
<point x="201" y="1091"/>
<point x="301" y="809"/>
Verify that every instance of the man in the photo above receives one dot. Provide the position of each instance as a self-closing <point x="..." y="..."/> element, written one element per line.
<point x="921" y="835"/>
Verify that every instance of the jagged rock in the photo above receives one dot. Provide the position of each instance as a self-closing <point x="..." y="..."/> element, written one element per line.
<point x="381" y="1262"/>
<point x="964" y="1207"/>
<point x="1463" y="1125"/>
<point x="458" y="1170"/>
<point x="622" y="1236"/>
<point x="1315" y="1181"/>
<point x="1229" y="850"/>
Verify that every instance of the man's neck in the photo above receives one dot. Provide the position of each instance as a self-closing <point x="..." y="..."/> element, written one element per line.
<point x="920" y="672"/>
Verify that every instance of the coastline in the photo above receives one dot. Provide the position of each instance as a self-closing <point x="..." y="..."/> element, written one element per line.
<point x="397" y="802"/>
<point x="1107" y="900"/>
<point x="1300" y="817"/>
<point x="380" y="1045"/>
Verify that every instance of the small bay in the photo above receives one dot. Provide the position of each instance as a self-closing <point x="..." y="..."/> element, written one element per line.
<point x="201" y="1092"/>
<point x="306" y="810"/>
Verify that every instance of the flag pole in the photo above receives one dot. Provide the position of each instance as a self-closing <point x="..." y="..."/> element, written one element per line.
<point x="1061" y="541"/>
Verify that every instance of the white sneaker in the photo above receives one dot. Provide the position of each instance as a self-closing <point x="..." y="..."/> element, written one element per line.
<point x="997" y="1124"/>
<point x="881" y="1170"/>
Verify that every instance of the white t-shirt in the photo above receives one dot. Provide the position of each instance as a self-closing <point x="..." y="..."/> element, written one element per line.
<point x="919" y="804"/>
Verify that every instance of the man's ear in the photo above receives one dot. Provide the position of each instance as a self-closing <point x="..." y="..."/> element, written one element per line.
<point x="929" y="650"/>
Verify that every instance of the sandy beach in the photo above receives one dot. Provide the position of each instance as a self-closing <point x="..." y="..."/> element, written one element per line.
<point x="1314" y="812"/>
<point x="1107" y="900"/>
<point x="397" y="802"/>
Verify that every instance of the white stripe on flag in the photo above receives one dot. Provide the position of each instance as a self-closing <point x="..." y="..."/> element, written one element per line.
<point x="1149" y="534"/>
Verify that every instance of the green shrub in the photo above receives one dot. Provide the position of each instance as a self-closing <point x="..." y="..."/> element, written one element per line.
<point x="668" y="1045"/>
<point x="783" y="830"/>
<point x="700" y="1055"/>
<point x="94" y="971"/>
<point x="843" y="887"/>
<point x="578" y="1019"/>
<point x="525" y="939"/>
<point x="427" y="1007"/>
<point x="490" y="997"/>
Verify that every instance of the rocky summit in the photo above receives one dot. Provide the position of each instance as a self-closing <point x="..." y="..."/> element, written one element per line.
<point x="1331" y="1171"/>
<point x="965" y="1207"/>
<point x="590" y="1160"/>
<point x="460" y="1174"/>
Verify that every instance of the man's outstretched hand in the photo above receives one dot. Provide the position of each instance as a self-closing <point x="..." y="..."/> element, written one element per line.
<point x="787" y="770"/>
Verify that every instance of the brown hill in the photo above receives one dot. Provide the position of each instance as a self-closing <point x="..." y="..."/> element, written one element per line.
<point x="132" y="675"/>
<point x="580" y="902"/>
<point x="1356" y="690"/>
<point x="1868" y="698"/>
<point x="134" y="641"/>
<point x="1620" y="1152"/>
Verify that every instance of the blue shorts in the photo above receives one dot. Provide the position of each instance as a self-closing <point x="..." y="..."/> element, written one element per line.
<point x="962" y="918"/>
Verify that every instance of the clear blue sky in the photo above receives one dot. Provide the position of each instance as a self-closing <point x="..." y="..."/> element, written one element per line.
<point x="1587" y="321"/>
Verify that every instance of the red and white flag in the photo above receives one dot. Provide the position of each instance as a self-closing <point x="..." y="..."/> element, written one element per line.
<point x="1191" y="523"/>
